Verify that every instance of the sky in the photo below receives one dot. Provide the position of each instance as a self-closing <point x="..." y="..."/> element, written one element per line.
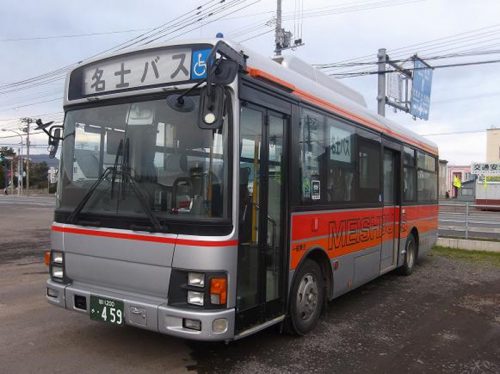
<point x="37" y="37"/>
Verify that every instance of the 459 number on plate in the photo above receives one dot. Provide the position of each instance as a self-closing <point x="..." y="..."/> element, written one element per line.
<point x="106" y="310"/>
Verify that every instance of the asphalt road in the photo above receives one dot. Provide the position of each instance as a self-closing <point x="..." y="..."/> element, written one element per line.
<point x="10" y="201"/>
<point x="483" y="224"/>
<point x="443" y="318"/>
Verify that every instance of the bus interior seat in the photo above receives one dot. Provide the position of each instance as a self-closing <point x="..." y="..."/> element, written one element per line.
<point x="175" y="167"/>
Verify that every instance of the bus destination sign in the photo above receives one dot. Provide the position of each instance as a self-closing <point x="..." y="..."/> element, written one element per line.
<point x="148" y="68"/>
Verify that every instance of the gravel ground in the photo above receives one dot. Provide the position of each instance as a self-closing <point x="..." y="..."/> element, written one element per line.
<point x="444" y="318"/>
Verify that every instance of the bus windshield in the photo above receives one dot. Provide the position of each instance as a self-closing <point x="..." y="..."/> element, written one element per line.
<point x="155" y="147"/>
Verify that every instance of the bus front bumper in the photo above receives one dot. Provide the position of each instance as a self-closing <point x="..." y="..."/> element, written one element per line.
<point x="147" y="313"/>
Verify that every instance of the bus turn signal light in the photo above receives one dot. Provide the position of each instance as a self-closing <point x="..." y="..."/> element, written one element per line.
<point x="46" y="258"/>
<point x="218" y="291"/>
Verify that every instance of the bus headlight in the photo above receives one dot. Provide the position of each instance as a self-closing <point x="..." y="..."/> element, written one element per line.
<point x="197" y="288"/>
<point x="57" y="272"/>
<point x="57" y="257"/>
<point x="195" y="298"/>
<point x="196" y="279"/>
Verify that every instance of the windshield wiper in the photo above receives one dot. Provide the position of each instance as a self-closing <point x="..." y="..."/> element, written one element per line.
<point x="115" y="166"/>
<point x="126" y="176"/>
<point x="74" y="214"/>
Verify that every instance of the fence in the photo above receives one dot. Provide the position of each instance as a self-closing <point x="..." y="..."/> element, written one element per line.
<point x="469" y="221"/>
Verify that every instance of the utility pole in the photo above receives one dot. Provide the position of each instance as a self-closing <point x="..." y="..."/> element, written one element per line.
<point x="278" y="32"/>
<point x="12" y="175"/>
<point x="381" y="99"/>
<point x="28" y="121"/>
<point x="19" y="171"/>
<point x="387" y="98"/>
<point x="283" y="39"/>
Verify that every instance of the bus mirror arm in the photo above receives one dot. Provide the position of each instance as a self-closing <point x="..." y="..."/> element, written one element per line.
<point x="54" y="134"/>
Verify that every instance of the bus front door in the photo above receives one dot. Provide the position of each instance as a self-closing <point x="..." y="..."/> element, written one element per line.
<point x="392" y="208"/>
<point x="260" y="286"/>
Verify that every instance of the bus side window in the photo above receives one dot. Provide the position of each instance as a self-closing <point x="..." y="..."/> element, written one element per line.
<point x="341" y="161"/>
<point x="369" y="170"/>
<point x="313" y="151"/>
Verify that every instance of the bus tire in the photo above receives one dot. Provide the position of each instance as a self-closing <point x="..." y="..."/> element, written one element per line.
<point x="410" y="256"/>
<point x="306" y="299"/>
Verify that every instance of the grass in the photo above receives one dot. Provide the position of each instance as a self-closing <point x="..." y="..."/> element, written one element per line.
<point x="492" y="258"/>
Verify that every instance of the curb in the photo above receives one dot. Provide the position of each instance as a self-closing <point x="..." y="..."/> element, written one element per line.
<point x="470" y="245"/>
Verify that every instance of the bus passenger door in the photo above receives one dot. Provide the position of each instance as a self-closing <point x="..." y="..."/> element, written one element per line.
<point x="392" y="209"/>
<point x="260" y="295"/>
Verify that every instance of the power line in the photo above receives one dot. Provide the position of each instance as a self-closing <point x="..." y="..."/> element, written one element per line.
<point x="13" y="136"/>
<point x="356" y="74"/>
<point x="205" y="11"/>
<point x="33" y="103"/>
<point x="317" y="12"/>
<point x="47" y="37"/>
<point x="448" y="56"/>
<point x="256" y="36"/>
<point x="474" y="35"/>
<point x="58" y="74"/>
<point x="236" y="2"/>
<point x="443" y="39"/>
<point x="34" y="115"/>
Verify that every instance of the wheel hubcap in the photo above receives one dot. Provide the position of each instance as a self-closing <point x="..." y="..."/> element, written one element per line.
<point x="307" y="297"/>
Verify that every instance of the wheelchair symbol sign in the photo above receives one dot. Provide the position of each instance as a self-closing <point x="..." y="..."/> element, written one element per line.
<point x="199" y="63"/>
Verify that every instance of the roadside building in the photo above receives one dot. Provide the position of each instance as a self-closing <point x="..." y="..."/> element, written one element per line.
<point x="488" y="182"/>
<point x="493" y="145"/>
<point x="443" y="172"/>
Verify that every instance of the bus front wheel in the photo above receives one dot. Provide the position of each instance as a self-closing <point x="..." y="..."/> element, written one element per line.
<point x="410" y="256"/>
<point x="306" y="298"/>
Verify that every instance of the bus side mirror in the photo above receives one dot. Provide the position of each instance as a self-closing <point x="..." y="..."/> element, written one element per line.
<point x="211" y="113"/>
<point x="225" y="72"/>
<point x="54" y="138"/>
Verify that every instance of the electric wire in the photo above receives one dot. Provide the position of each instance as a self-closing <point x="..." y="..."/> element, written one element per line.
<point x="56" y="74"/>
<point x="67" y="36"/>
<point x="355" y="74"/>
<point x="200" y="15"/>
<point x="426" y="58"/>
<point x="412" y="47"/>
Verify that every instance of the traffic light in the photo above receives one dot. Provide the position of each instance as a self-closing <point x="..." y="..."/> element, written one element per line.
<point x="2" y="158"/>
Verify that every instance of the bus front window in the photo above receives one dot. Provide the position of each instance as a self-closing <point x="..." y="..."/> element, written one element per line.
<point x="150" y="149"/>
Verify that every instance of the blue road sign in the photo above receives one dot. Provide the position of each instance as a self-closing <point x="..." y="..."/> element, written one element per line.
<point x="199" y="63"/>
<point x="421" y="90"/>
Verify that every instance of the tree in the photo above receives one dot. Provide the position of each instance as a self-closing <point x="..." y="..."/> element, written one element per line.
<point x="39" y="175"/>
<point x="7" y="152"/>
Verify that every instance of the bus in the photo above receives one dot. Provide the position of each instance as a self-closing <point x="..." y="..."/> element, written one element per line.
<point x="208" y="192"/>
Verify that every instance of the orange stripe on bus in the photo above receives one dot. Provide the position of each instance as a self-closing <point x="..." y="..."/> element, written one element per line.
<point x="257" y="73"/>
<point x="346" y="231"/>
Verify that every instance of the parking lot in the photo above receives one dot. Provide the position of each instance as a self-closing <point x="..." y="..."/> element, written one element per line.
<point x="443" y="318"/>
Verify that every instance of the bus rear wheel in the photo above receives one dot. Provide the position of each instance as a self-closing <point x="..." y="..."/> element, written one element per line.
<point x="306" y="298"/>
<point x="410" y="256"/>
